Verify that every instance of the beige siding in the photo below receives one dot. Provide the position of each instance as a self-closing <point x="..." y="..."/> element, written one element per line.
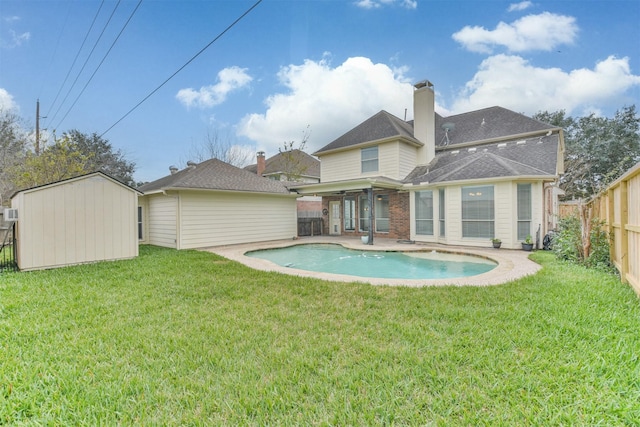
<point x="213" y="219"/>
<point x="407" y="160"/>
<point x="340" y="166"/>
<point x="162" y="220"/>
<point x="395" y="160"/>
<point x="88" y="219"/>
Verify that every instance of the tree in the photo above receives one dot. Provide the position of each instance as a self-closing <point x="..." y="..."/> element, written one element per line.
<point x="293" y="164"/>
<point x="99" y="155"/>
<point x="55" y="162"/>
<point x="13" y="141"/>
<point x="217" y="147"/>
<point x="597" y="149"/>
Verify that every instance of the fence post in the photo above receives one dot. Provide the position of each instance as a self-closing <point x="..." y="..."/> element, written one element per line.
<point x="611" y="216"/>
<point x="624" y="233"/>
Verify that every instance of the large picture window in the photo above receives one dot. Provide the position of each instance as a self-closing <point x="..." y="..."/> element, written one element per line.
<point x="524" y="211"/>
<point x="369" y="159"/>
<point x="424" y="212"/>
<point x="382" y="213"/>
<point x="478" y="212"/>
<point x="363" y="211"/>
<point x="349" y="213"/>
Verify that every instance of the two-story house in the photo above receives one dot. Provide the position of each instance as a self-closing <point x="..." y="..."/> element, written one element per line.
<point x="457" y="180"/>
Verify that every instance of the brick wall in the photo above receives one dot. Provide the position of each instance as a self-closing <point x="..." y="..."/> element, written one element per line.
<point x="399" y="215"/>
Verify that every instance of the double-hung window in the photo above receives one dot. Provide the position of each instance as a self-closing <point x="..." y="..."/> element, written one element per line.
<point x="478" y="212"/>
<point x="424" y="212"/>
<point x="369" y="159"/>
<point x="524" y="211"/>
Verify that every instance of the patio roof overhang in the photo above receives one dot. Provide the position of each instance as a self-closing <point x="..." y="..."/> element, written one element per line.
<point x="341" y="187"/>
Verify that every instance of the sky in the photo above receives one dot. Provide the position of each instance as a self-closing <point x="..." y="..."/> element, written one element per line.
<point x="158" y="77"/>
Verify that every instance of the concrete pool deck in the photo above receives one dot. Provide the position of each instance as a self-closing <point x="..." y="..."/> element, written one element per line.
<point x="512" y="264"/>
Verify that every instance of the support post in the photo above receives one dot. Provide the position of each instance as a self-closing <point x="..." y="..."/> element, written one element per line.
<point x="371" y="214"/>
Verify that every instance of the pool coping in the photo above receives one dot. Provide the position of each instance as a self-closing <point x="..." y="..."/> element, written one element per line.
<point x="512" y="264"/>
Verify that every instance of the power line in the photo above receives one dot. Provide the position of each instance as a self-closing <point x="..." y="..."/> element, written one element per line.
<point x="76" y="58"/>
<point x="183" y="66"/>
<point x="100" y="64"/>
<point x="86" y="61"/>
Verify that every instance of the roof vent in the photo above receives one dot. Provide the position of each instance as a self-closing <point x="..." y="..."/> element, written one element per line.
<point x="524" y="141"/>
<point x="455" y="151"/>
<point x="173" y="169"/>
<point x="472" y="149"/>
<point x="502" y="145"/>
<point x="191" y="164"/>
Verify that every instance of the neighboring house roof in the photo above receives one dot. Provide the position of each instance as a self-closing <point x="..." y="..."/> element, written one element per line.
<point x="485" y="124"/>
<point x="75" y="178"/>
<point x="214" y="174"/>
<point x="534" y="157"/>
<point x="278" y="164"/>
<point x="382" y="125"/>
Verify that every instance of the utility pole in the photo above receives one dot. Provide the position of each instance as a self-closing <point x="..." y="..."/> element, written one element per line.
<point x="37" y="127"/>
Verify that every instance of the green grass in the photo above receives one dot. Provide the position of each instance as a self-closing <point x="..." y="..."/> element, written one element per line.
<point x="189" y="338"/>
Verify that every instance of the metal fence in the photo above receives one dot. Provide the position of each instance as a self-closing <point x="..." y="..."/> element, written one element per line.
<point x="8" y="248"/>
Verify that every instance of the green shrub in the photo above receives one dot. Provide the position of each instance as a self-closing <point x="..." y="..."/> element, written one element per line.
<point x="568" y="245"/>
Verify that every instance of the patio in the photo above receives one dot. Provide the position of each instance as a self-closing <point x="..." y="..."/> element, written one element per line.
<point x="512" y="264"/>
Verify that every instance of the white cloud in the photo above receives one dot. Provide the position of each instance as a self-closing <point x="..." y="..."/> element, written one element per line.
<point x="512" y="82"/>
<point x="328" y="100"/>
<point x="6" y="101"/>
<point x="375" y="4"/>
<point x="14" y="40"/>
<point x="517" y="7"/>
<point x="544" y="31"/>
<point x="229" y="79"/>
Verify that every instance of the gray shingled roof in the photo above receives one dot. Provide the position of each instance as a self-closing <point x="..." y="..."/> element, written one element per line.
<point x="380" y="126"/>
<point x="215" y="174"/>
<point x="488" y="123"/>
<point x="535" y="157"/>
<point x="277" y="164"/>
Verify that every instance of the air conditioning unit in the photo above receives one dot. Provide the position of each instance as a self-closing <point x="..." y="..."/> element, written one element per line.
<point x="11" y="215"/>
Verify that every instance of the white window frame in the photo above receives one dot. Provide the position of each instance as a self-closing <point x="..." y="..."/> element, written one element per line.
<point x="369" y="159"/>
<point x="424" y="225"/>
<point x="478" y="211"/>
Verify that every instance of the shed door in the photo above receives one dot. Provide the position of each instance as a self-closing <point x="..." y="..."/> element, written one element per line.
<point x="334" y="218"/>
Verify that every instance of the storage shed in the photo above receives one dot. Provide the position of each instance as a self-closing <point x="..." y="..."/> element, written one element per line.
<point x="79" y="220"/>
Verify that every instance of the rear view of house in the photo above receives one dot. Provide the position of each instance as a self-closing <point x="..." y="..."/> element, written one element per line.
<point x="457" y="180"/>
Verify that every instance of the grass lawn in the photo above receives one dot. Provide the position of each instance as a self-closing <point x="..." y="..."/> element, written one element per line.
<point x="189" y="338"/>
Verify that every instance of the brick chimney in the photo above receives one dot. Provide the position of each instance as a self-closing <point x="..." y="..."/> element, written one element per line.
<point x="424" y="120"/>
<point x="261" y="163"/>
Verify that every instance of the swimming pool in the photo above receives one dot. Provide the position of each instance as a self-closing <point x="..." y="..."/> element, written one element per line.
<point x="329" y="258"/>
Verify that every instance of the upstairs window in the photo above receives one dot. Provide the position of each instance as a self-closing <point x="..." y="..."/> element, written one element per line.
<point x="369" y="159"/>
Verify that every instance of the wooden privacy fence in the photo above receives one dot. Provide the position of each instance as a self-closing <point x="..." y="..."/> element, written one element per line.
<point x="619" y="207"/>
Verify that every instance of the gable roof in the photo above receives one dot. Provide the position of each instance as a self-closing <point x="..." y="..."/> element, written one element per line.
<point x="278" y="164"/>
<point x="214" y="174"/>
<point x="534" y="157"/>
<point x="485" y="124"/>
<point x="75" y="178"/>
<point x="379" y="126"/>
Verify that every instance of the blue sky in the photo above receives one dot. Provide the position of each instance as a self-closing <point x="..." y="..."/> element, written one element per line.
<point x="290" y="67"/>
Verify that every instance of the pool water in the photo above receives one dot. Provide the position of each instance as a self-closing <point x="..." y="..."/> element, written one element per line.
<point x="328" y="258"/>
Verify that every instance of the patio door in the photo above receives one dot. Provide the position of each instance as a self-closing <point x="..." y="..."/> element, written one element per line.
<point x="334" y="218"/>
